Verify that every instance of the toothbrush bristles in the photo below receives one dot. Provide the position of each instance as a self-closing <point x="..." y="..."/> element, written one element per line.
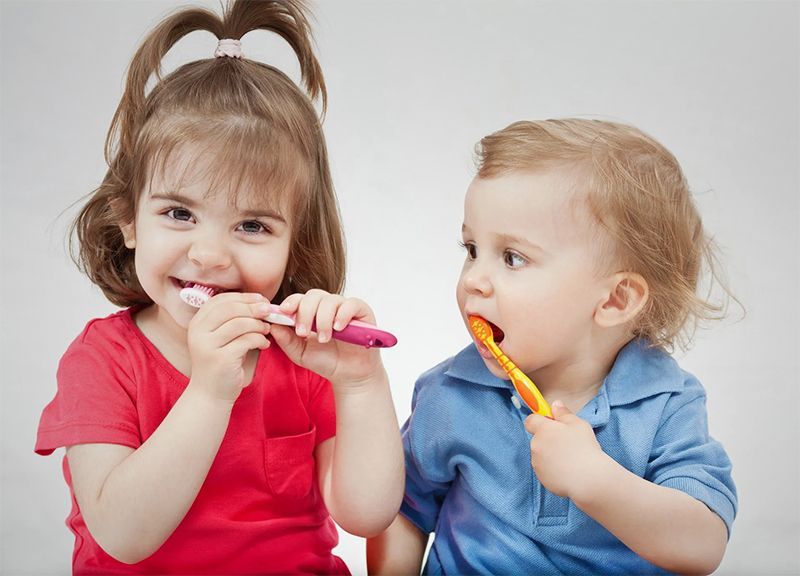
<point x="196" y="295"/>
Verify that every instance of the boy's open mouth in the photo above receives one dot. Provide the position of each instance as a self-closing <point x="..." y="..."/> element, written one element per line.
<point x="497" y="333"/>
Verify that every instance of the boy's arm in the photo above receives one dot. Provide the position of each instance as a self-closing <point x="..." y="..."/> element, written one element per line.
<point x="132" y="500"/>
<point x="398" y="550"/>
<point x="360" y="470"/>
<point x="662" y="525"/>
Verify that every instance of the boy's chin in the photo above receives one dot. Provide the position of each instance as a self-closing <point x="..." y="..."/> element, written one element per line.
<point x="495" y="369"/>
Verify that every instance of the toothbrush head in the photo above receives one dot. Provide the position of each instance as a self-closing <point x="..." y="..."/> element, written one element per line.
<point x="196" y="294"/>
<point x="481" y="329"/>
<point x="524" y="386"/>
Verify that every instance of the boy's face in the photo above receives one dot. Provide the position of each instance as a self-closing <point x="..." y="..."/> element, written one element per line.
<point x="531" y="268"/>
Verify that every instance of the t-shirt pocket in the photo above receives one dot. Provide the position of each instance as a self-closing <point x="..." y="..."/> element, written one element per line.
<point x="289" y="464"/>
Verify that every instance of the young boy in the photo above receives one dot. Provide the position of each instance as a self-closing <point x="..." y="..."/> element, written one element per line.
<point x="583" y="251"/>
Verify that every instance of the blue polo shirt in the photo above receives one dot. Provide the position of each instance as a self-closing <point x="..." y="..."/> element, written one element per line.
<point x="469" y="477"/>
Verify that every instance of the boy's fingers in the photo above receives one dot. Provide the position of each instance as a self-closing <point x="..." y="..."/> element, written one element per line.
<point x="562" y="413"/>
<point x="534" y="422"/>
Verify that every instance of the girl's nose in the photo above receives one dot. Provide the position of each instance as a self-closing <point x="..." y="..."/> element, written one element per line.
<point x="209" y="251"/>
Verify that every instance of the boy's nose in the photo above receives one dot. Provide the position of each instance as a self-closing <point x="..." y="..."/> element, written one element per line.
<point x="209" y="251"/>
<point x="476" y="280"/>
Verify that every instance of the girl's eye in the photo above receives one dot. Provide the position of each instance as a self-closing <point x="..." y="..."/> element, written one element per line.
<point x="513" y="260"/>
<point x="181" y="214"/>
<point x="253" y="227"/>
<point x="472" y="250"/>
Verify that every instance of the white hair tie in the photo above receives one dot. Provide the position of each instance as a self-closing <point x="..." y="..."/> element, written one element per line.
<point x="228" y="47"/>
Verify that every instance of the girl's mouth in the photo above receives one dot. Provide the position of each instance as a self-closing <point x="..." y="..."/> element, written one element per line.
<point x="211" y="289"/>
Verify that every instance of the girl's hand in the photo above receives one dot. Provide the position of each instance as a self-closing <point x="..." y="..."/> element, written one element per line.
<point x="564" y="451"/>
<point x="343" y="364"/>
<point x="220" y="335"/>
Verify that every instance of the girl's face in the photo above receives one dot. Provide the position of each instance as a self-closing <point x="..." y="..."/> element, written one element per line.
<point x="186" y="232"/>
<point x="530" y="269"/>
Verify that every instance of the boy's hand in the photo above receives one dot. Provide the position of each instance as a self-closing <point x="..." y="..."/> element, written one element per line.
<point x="219" y="337"/>
<point x="343" y="364"/>
<point x="564" y="451"/>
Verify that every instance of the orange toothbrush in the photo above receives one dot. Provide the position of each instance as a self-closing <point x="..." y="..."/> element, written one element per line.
<point x="523" y="385"/>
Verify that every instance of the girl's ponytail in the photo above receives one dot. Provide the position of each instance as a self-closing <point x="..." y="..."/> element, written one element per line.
<point x="283" y="17"/>
<point x="287" y="18"/>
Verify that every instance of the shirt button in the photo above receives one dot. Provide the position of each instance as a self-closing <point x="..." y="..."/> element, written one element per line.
<point x="515" y="401"/>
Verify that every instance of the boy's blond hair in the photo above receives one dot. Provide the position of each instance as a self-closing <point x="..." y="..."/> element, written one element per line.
<point x="638" y="194"/>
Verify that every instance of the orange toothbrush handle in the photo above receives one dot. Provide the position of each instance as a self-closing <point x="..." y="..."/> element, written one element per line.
<point x="530" y="393"/>
<point x="522" y="384"/>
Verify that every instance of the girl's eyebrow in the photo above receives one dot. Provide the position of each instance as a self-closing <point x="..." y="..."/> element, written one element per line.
<point x="174" y="197"/>
<point x="191" y="203"/>
<point x="261" y="213"/>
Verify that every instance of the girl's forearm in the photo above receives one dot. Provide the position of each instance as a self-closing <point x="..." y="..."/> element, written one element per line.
<point x="146" y="496"/>
<point x="665" y="526"/>
<point x="367" y="473"/>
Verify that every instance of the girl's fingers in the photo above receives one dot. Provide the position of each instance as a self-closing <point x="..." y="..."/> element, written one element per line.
<point x="215" y="313"/>
<point x="290" y="303"/>
<point x="246" y="342"/>
<point x="307" y="311"/>
<point x="326" y="313"/>
<point x="352" y="308"/>
<point x="237" y="327"/>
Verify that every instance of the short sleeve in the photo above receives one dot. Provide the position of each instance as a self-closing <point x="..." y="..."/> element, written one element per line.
<point x="686" y="458"/>
<point x="94" y="401"/>
<point x="322" y="407"/>
<point x="423" y="495"/>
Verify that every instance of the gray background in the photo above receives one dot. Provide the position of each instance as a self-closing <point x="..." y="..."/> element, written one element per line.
<point x="413" y="85"/>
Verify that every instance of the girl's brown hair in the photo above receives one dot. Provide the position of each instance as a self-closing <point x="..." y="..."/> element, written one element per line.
<point x="259" y="129"/>
<point x="638" y="194"/>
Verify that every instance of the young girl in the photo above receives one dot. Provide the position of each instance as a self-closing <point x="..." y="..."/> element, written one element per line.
<point x="583" y="251"/>
<point x="209" y="441"/>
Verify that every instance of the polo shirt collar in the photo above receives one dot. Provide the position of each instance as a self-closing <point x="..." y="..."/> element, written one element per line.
<point x="468" y="365"/>
<point x="638" y="373"/>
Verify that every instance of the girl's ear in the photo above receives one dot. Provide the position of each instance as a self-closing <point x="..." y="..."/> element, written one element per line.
<point x="129" y="234"/>
<point x="628" y="294"/>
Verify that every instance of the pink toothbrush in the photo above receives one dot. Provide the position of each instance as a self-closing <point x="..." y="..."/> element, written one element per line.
<point x="356" y="332"/>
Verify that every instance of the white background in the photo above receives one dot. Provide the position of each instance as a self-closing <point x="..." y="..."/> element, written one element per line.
<point x="413" y="85"/>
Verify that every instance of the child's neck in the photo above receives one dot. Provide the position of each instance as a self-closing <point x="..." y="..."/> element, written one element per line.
<point x="576" y="381"/>
<point x="167" y="336"/>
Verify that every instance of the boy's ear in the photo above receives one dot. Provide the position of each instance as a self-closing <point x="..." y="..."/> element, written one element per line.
<point x="627" y="296"/>
<point x="129" y="234"/>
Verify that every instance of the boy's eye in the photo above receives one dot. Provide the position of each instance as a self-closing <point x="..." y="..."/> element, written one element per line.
<point x="513" y="260"/>
<point x="253" y="227"/>
<point x="181" y="214"/>
<point x="472" y="250"/>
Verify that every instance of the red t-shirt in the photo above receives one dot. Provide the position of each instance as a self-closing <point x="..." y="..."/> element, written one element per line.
<point x="260" y="509"/>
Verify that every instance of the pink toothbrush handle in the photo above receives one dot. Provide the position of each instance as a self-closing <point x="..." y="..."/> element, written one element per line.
<point x="363" y="334"/>
<point x="356" y="332"/>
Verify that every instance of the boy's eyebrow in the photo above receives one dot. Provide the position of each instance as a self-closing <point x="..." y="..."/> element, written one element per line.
<point x="191" y="203"/>
<point x="512" y="239"/>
